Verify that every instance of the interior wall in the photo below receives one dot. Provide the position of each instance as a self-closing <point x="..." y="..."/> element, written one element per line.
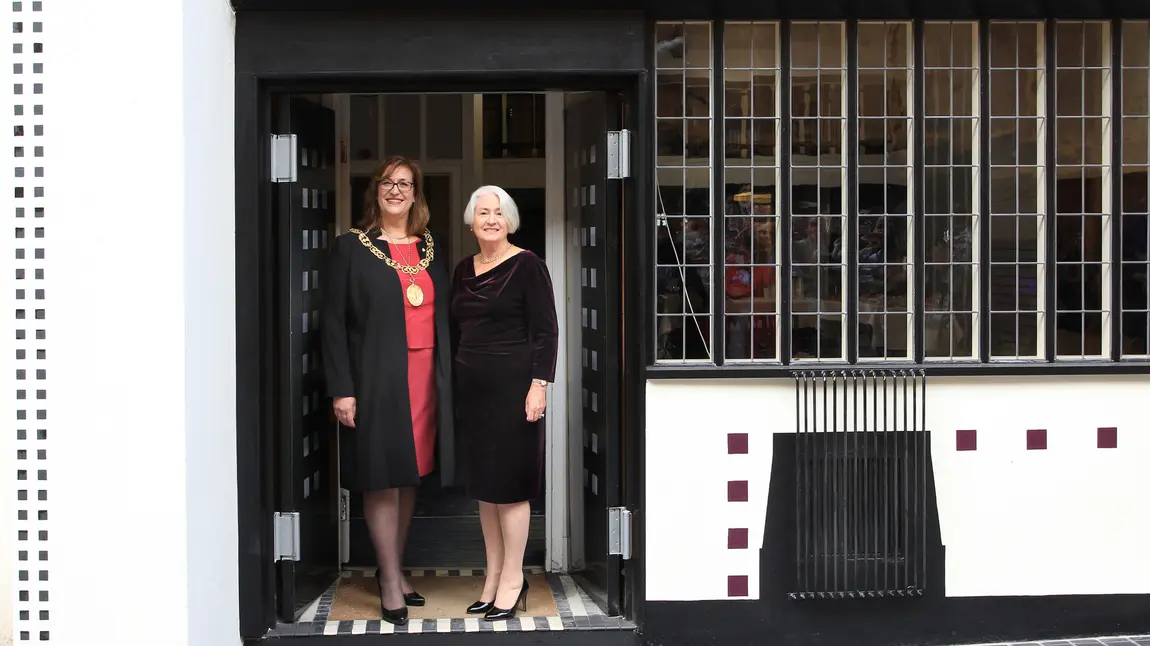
<point x="138" y="248"/>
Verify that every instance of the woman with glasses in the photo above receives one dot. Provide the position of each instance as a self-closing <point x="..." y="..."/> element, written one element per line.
<point x="387" y="359"/>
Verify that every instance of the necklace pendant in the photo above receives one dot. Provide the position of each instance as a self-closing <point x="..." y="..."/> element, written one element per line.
<point x="415" y="295"/>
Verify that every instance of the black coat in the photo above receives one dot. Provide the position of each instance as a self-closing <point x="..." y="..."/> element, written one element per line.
<point x="365" y="356"/>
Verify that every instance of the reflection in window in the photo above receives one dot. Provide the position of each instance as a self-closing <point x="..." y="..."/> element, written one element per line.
<point x="818" y="201"/>
<point x="1082" y="191"/>
<point x="950" y="193"/>
<point x="1017" y="190"/>
<point x="683" y="175"/>
<point x="885" y="67"/>
<point x="751" y="170"/>
<point x="1135" y="265"/>
<point x="514" y="126"/>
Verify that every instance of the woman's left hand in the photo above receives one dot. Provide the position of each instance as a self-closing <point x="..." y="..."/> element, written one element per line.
<point x="536" y="402"/>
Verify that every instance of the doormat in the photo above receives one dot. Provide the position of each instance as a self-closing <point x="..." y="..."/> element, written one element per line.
<point x="357" y="596"/>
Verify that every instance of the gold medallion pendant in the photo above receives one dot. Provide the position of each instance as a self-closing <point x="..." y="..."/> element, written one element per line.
<point x="415" y="295"/>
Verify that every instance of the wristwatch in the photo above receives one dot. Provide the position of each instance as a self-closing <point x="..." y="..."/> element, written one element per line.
<point x="539" y="382"/>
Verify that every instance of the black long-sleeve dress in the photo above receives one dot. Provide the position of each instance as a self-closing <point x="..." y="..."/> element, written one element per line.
<point x="365" y="350"/>
<point x="507" y="334"/>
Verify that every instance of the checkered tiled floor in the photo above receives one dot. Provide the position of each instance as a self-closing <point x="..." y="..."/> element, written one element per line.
<point x="1128" y="640"/>
<point x="577" y="611"/>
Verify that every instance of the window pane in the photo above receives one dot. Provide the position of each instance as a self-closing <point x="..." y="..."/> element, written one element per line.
<point x="1082" y="198"/>
<point x="950" y="192"/>
<point x="884" y="190"/>
<point x="751" y="287"/>
<point x="684" y="167"/>
<point x="818" y="201"/>
<point x="1135" y="264"/>
<point x="1017" y="189"/>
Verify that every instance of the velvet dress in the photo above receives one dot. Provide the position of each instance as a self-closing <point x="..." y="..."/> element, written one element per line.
<point x="394" y="358"/>
<point x="507" y="334"/>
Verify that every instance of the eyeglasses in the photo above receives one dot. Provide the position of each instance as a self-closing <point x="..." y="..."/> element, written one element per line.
<point x="403" y="185"/>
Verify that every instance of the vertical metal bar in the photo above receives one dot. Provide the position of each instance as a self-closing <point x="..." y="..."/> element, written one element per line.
<point x="918" y="215"/>
<point x="718" y="195"/>
<point x="852" y="584"/>
<point x="984" y="217"/>
<point x="824" y="490"/>
<point x="916" y="484"/>
<point x="836" y="484"/>
<point x="1116" y="205"/>
<point x="885" y="490"/>
<point x="872" y="487"/>
<point x="927" y="481"/>
<point x="1050" y="120"/>
<point x="783" y="195"/>
<point x="850" y="227"/>
<point x="905" y="461"/>
<point x="799" y="416"/>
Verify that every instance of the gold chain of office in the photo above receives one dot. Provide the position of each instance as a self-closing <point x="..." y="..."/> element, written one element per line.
<point x="414" y="291"/>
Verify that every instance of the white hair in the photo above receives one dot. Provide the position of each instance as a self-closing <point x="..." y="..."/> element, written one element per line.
<point x="506" y="205"/>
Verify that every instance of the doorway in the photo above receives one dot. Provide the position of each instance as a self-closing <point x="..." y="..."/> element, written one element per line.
<point x="329" y="579"/>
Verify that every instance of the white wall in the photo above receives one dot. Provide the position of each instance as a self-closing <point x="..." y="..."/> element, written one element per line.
<point x="1068" y="519"/>
<point x="141" y="259"/>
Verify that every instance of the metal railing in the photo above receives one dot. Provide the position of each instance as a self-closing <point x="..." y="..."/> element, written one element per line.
<point x="861" y="474"/>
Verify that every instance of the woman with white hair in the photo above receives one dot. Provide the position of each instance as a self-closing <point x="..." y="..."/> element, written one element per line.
<point x="506" y="336"/>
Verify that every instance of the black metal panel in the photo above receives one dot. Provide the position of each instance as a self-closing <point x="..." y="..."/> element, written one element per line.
<point x="293" y="44"/>
<point x="594" y="202"/>
<point x="860" y="495"/>
<point x="308" y="441"/>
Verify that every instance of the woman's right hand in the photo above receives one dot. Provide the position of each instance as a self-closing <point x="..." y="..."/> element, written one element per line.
<point x="345" y="410"/>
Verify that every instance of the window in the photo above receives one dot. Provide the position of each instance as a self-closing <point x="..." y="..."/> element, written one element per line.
<point x="900" y="193"/>
<point x="514" y="126"/>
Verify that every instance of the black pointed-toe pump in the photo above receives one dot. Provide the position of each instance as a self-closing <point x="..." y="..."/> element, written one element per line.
<point x="480" y="607"/>
<point x="412" y="598"/>
<point x="498" y="614"/>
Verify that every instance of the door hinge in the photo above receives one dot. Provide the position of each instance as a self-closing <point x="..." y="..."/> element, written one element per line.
<point x="286" y="536"/>
<point x="619" y="532"/>
<point x="618" y="154"/>
<point x="284" y="158"/>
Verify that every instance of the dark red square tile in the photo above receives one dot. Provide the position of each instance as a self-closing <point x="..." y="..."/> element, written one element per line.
<point x="737" y="585"/>
<point x="966" y="440"/>
<point x="737" y="491"/>
<point x="1108" y="437"/>
<point x="1035" y="439"/>
<point x="738" y="443"/>
<point x="737" y="538"/>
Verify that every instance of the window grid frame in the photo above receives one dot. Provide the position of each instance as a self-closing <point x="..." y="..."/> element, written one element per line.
<point x="1118" y="286"/>
<point x="1046" y="117"/>
<point x="1106" y="169"/>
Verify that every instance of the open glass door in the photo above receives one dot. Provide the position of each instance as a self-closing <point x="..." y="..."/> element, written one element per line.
<point x="594" y="205"/>
<point x="307" y="529"/>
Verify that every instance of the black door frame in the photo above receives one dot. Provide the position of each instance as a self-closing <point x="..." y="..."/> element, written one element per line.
<point x="259" y="81"/>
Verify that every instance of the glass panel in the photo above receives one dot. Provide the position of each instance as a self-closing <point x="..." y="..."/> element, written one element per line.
<point x="1082" y="198"/>
<point x="364" y="117"/>
<point x="1017" y="189"/>
<point x="818" y="201"/>
<point x="1135" y="263"/>
<point x="884" y="190"/>
<point x="684" y="121"/>
<point x="950" y="192"/>
<point x="751" y="288"/>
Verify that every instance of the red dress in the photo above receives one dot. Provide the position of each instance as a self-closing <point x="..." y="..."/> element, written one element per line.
<point x="420" y="357"/>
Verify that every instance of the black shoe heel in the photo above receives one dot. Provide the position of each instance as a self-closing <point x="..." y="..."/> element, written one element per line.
<point x="480" y="607"/>
<point x="498" y="614"/>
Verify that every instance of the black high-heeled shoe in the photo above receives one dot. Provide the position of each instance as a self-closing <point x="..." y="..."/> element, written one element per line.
<point x="498" y="614"/>
<point x="412" y="598"/>
<point x="480" y="607"/>
<point x="398" y="616"/>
